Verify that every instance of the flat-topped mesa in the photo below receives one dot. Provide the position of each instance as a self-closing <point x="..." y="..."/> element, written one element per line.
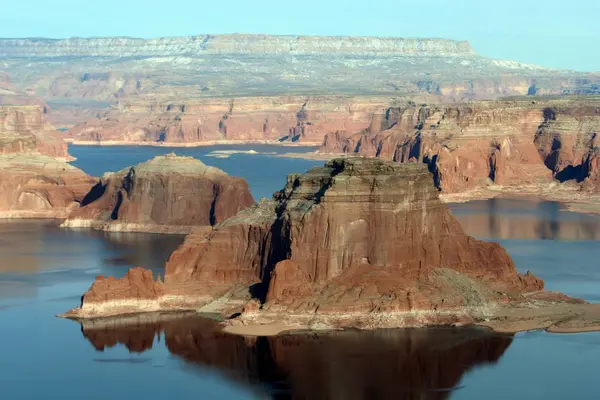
<point x="475" y="145"/>
<point x="23" y="129"/>
<point x="39" y="186"/>
<point x="356" y="236"/>
<point x="231" y="44"/>
<point x="168" y="194"/>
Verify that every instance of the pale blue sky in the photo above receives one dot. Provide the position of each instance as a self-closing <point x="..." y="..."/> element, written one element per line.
<point x="552" y="33"/>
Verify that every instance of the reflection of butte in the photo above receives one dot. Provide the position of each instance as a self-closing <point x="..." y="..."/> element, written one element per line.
<point x="549" y="223"/>
<point x="394" y="364"/>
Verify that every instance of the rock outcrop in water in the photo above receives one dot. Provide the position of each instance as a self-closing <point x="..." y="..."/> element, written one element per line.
<point x="168" y="194"/>
<point x="471" y="146"/>
<point x="38" y="186"/>
<point x="358" y="238"/>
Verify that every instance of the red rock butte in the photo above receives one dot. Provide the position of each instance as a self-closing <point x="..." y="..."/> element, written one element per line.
<point x="167" y="194"/>
<point x="359" y="242"/>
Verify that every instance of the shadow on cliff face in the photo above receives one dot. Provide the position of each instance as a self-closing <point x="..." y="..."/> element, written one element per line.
<point x="382" y="364"/>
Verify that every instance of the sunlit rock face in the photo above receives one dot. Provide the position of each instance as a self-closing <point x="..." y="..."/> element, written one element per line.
<point x="24" y="129"/>
<point x="359" y="235"/>
<point x="38" y="186"/>
<point x="168" y="194"/>
<point x="474" y="145"/>
<point x="108" y="72"/>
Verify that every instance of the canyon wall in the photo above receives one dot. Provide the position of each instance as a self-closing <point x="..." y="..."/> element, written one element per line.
<point x="23" y="129"/>
<point x="284" y="119"/>
<point x="35" y="179"/>
<point x="168" y="194"/>
<point x="473" y="145"/>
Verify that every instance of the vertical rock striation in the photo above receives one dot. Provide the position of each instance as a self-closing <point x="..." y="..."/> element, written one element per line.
<point x="470" y="146"/>
<point x="168" y="194"/>
<point x="359" y="236"/>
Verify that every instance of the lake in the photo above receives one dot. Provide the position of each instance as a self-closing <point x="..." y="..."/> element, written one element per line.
<point x="45" y="269"/>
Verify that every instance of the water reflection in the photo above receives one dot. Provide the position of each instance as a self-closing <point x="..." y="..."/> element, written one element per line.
<point x="382" y="364"/>
<point x="31" y="246"/>
<point x="521" y="219"/>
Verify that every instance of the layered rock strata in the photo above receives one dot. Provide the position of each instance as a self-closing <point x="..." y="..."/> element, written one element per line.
<point x="168" y="194"/>
<point x="283" y="120"/>
<point x="80" y="77"/>
<point x="23" y="129"/>
<point x="360" y="242"/>
<point x="470" y="146"/>
<point x="38" y="186"/>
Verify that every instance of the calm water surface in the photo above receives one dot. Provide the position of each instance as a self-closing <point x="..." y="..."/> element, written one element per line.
<point x="44" y="270"/>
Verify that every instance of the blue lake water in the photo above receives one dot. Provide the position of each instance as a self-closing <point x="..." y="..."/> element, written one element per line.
<point x="44" y="270"/>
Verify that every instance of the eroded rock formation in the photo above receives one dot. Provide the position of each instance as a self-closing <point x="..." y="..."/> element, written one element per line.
<point x="358" y="236"/>
<point x="84" y="76"/>
<point x="38" y="186"/>
<point x="23" y="129"/>
<point x="168" y="194"/>
<point x="283" y="119"/>
<point x="476" y="145"/>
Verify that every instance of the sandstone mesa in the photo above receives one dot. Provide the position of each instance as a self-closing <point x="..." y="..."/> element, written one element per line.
<point x="35" y="180"/>
<point x="169" y="72"/>
<point x="167" y="194"/>
<point x="358" y="243"/>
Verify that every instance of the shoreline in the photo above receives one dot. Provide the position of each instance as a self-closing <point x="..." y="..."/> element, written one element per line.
<point x="560" y="318"/>
<point x="206" y="143"/>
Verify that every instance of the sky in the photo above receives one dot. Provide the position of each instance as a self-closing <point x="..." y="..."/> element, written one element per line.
<point x="551" y="33"/>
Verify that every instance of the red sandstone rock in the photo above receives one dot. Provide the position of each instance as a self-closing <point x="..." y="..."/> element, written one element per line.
<point x="37" y="186"/>
<point x="24" y="130"/>
<point x="359" y="235"/>
<point x="138" y="283"/>
<point x="273" y="119"/>
<point x="473" y="145"/>
<point x="167" y="194"/>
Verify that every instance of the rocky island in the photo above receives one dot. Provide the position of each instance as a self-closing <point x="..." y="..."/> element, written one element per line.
<point x="359" y="243"/>
<point x="167" y="194"/>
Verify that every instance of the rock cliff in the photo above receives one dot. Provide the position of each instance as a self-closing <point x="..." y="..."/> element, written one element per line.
<point x="476" y="145"/>
<point x="23" y="129"/>
<point x="231" y="44"/>
<point x="257" y="119"/>
<point x="38" y="186"/>
<point x="359" y="237"/>
<point x="168" y="194"/>
<point x="77" y="73"/>
<point x="35" y="180"/>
